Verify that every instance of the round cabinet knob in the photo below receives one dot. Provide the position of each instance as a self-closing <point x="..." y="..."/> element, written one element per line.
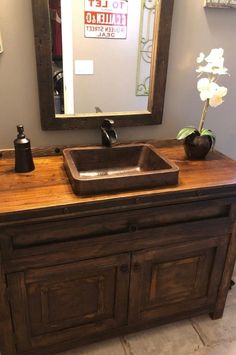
<point x="133" y="227"/>
<point x="124" y="268"/>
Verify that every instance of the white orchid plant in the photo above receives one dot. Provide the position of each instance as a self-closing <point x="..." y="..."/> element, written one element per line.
<point x="210" y="92"/>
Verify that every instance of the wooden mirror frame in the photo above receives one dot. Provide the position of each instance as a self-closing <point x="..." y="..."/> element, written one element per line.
<point x="153" y="115"/>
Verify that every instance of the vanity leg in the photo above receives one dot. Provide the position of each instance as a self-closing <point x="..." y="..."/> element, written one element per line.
<point x="7" y="346"/>
<point x="226" y="277"/>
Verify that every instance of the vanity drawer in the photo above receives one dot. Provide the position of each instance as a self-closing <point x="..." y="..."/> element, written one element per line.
<point x="20" y="259"/>
<point x="71" y="229"/>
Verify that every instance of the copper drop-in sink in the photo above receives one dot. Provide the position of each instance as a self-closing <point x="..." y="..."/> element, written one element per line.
<point x="94" y="170"/>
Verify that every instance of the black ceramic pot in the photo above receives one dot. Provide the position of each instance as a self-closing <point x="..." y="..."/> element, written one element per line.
<point x="197" y="147"/>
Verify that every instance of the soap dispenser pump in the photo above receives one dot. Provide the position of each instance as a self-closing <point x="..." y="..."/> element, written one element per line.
<point x="23" y="155"/>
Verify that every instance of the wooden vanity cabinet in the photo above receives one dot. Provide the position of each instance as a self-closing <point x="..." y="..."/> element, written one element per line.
<point x="77" y="270"/>
<point x="125" y="276"/>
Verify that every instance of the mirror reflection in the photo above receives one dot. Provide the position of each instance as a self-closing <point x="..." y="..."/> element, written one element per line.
<point x="101" y="54"/>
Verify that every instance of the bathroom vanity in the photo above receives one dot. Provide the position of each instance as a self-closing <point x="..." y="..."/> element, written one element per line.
<point x="81" y="269"/>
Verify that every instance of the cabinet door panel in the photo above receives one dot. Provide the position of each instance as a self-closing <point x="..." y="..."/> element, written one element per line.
<point x="73" y="300"/>
<point x="170" y="280"/>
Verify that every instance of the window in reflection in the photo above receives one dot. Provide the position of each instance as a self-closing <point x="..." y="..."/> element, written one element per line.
<point x="145" y="47"/>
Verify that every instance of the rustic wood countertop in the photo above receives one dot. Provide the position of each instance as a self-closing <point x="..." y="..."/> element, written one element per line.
<point x="48" y="187"/>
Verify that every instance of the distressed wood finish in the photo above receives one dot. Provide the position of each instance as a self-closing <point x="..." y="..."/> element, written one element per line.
<point x="81" y="269"/>
<point x="69" y="301"/>
<point x="7" y="343"/>
<point x="174" y="279"/>
<point x="47" y="187"/>
<point x="226" y="279"/>
<point x="154" y="112"/>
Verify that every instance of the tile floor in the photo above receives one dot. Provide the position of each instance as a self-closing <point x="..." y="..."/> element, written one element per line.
<point x="196" y="336"/>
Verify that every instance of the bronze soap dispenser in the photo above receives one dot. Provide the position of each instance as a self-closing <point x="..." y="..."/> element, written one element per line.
<point x="23" y="155"/>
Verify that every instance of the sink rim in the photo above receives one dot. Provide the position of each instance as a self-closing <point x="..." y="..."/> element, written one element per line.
<point x="70" y="164"/>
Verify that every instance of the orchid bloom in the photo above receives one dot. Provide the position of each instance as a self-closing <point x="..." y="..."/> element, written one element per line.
<point x="214" y="63"/>
<point x="208" y="88"/>
<point x="201" y="58"/>
<point x="215" y="55"/>
<point x="216" y="99"/>
<point x="210" y="92"/>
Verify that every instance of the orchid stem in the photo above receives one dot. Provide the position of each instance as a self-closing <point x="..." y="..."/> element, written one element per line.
<point x="204" y="112"/>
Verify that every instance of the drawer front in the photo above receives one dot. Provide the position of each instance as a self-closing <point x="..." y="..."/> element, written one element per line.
<point x="48" y="232"/>
<point x="94" y="247"/>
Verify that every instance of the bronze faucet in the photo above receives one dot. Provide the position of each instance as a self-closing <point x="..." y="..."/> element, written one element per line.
<point x="109" y="136"/>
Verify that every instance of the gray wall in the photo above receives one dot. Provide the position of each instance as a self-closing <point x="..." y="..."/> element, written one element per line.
<point x="194" y="29"/>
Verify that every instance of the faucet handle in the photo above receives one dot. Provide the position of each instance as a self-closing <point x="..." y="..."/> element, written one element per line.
<point x="107" y="123"/>
<point x="109" y="135"/>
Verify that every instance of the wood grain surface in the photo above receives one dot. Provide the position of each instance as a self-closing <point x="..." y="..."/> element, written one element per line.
<point x="48" y="185"/>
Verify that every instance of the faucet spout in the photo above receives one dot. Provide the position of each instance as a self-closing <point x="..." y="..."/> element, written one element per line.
<point x="109" y="135"/>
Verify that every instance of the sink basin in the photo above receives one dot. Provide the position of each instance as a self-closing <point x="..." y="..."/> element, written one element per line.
<point x="120" y="168"/>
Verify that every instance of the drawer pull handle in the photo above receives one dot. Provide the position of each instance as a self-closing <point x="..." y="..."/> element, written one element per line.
<point x="124" y="268"/>
<point x="133" y="228"/>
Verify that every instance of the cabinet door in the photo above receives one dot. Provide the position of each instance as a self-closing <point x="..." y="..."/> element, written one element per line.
<point x="172" y="280"/>
<point x="72" y="301"/>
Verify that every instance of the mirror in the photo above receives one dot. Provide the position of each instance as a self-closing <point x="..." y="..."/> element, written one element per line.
<point x="101" y="52"/>
<point x="143" y="110"/>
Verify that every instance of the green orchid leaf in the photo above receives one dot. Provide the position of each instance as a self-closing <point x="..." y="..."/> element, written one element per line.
<point x="185" y="132"/>
<point x="209" y="133"/>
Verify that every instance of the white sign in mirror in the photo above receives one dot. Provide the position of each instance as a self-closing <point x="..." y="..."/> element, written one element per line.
<point x="105" y="18"/>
